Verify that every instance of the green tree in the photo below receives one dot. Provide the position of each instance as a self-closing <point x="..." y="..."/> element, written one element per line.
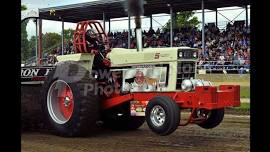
<point x="24" y="41"/>
<point x="32" y="46"/>
<point x="184" y="19"/>
<point x="23" y="7"/>
<point x="51" y="40"/>
<point x="68" y="34"/>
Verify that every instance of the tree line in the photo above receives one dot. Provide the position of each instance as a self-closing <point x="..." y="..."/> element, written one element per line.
<point x="50" y="40"/>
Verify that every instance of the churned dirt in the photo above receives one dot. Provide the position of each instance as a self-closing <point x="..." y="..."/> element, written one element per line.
<point x="231" y="135"/>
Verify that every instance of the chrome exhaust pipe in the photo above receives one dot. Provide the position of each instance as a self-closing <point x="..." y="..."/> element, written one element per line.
<point x="190" y="84"/>
<point x="136" y="8"/>
<point x="139" y="39"/>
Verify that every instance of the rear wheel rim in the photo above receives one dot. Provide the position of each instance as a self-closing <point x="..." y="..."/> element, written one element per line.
<point x="157" y="116"/>
<point x="60" y="102"/>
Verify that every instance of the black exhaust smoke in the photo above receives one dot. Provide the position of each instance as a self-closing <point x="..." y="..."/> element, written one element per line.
<point x="135" y="7"/>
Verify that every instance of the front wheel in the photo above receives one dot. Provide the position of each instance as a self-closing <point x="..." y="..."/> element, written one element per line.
<point x="162" y="115"/>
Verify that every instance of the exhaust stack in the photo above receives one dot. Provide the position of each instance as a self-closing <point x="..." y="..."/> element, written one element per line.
<point x="136" y="9"/>
<point x="138" y="32"/>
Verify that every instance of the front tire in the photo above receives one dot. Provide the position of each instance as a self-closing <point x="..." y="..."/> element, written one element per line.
<point x="162" y="115"/>
<point x="69" y="106"/>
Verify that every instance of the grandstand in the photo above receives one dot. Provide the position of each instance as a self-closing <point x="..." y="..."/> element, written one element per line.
<point x="227" y="50"/>
<point x="219" y="50"/>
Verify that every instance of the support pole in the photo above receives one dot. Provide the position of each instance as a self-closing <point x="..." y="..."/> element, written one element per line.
<point x="39" y="41"/>
<point x="109" y="25"/>
<point x="151" y="21"/>
<point x="171" y="27"/>
<point x="129" y="30"/>
<point x="63" y="37"/>
<point x="216" y="17"/>
<point x="203" y="32"/>
<point x="104" y="21"/>
<point x="246" y="16"/>
<point x="36" y="40"/>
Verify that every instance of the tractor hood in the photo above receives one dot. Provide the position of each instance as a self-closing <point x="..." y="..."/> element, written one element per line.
<point x="121" y="56"/>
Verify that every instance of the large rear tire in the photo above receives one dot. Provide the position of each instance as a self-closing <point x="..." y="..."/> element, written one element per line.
<point x="69" y="105"/>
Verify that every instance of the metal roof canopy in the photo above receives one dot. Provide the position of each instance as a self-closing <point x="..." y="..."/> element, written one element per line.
<point x="116" y="8"/>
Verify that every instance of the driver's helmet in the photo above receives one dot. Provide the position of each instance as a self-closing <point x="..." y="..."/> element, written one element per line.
<point x="91" y="33"/>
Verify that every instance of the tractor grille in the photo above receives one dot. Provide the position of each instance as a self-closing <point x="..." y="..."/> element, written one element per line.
<point x="185" y="70"/>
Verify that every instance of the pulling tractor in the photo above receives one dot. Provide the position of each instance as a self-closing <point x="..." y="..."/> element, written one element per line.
<point x="123" y="88"/>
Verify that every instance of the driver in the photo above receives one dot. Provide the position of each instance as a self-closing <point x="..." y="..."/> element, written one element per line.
<point x="91" y="39"/>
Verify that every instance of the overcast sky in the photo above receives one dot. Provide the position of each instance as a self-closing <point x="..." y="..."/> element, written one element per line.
<point x="52" y="26"/>
<point x="50" y="3"/>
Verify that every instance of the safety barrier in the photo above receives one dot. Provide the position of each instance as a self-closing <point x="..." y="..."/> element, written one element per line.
<point x="217" y="67"/>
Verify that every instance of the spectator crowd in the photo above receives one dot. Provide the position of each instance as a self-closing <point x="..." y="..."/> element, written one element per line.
<point x="230" y="47"/>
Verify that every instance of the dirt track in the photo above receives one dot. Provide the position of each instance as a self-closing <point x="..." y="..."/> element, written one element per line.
<point x="232" y="135"/>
